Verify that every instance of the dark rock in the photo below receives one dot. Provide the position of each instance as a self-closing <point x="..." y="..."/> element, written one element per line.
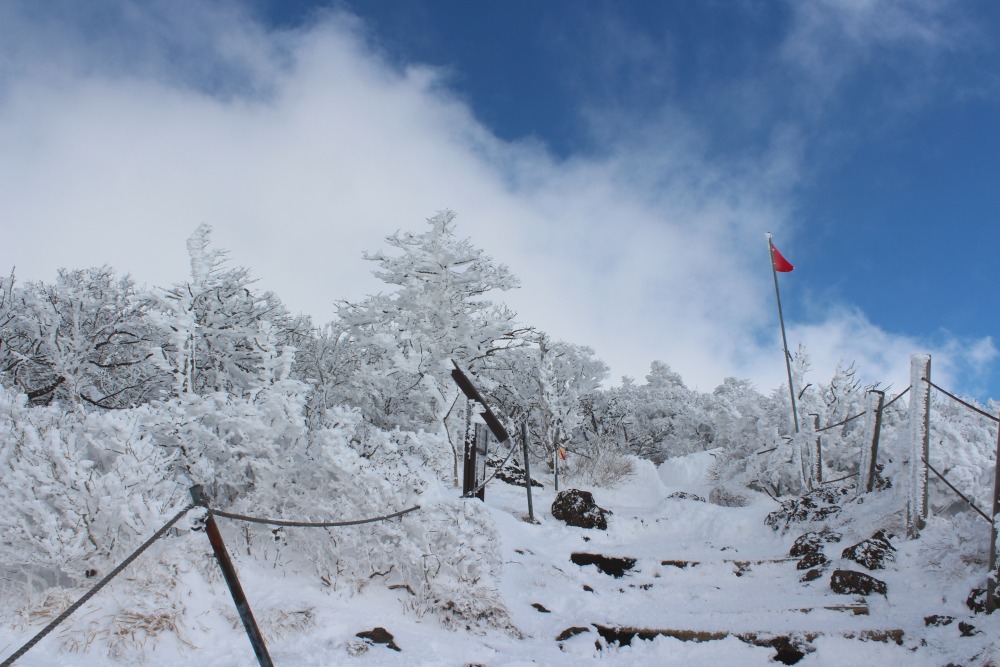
<point x="623" y="636"/>
<point x="849" y="582"/>
<point x="967" y="629"/>
<point x="513" y="475"/>
<point x="811" y="543"/>
<point x="684" y="495"/>
<point x="569" y="633"/>
<point x="588" y="588"/>
<point x="577" y="508"/>
<point x="881" y="483"/>
<point x="811" y="560"/>
<point x="977" y="600"/>
<point x="936" y="620"/>
<point x="872" y="552"/>
<point x="540" y="608"/>
<point x="613" y="565"/>
<point x="724" y="497"/>
<point x="789" y="653"/>
<point x="379" y="636"/>
<point x="814" y="506"/>
<point x="811" y="575"/>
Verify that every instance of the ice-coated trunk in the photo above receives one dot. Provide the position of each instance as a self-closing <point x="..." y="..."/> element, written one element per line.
<point x="920" y="408"/>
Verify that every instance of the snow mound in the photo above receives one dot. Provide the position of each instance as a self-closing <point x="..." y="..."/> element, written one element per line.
<point x="688" y="473"/>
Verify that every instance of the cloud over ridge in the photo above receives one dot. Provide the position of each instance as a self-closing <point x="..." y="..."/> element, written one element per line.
<point x="305" y="146"/>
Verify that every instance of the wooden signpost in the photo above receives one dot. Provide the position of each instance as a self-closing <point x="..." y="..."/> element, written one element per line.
<point x="474" y="472"/>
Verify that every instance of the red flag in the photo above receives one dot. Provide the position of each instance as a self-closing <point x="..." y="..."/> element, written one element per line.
<point x="781" y="264"/>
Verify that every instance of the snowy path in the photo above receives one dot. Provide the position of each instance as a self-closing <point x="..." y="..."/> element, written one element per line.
<point x="727" y="591"/>
<point x="715" y="596"/>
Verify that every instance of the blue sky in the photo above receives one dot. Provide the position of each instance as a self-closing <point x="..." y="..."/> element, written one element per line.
<point x="625" y="159"/>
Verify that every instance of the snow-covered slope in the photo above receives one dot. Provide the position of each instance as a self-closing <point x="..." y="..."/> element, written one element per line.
<point x="730" y="584"/>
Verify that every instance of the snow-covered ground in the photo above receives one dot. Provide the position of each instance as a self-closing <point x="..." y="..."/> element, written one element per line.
<point x="726" y="589"/>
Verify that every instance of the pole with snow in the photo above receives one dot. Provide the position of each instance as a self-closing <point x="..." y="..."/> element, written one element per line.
<point x="920" y="409"/>
<point x="992" y="591"/>
<point x="779" y="263"/>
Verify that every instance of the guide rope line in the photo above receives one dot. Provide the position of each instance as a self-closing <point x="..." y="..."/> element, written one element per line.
<point x="310" y="524"/>
<point x="93" y="591"/>
<point x="968" y="405"/>
<point x="841" y="423"/>
<point x="896" y="398"/>
<point x="489" y="479"/>
<point x="852" y="418"/>
<point x="960" y="494"/>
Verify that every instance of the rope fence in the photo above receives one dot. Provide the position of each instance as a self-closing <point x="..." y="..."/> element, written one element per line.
<point x="966" y="404"/>
<point x="159" y="534"/>
<point x="993" y="578"/>
<point x="938" y="474"/>
<point x="841" y="423"/>
<point x="952" y="487"/>
<point x="311" y="524"/>
<point x="93" y="591"/>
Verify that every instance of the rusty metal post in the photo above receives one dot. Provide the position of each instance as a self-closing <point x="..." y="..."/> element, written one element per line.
<point x="482" y="454"/>
<point x="874" y="401"/>
<point x="992" y="603"/>
<point x="469" y="461"/>
<point x="232" y="580"/>
<point x="555" y="467"/>
<point x="876" y="432"/>
<point x="527" y="469"/>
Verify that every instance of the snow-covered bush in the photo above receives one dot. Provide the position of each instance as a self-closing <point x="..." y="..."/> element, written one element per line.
<point x="233" y="445"/>
<point x="599" y="464"/>
<point x="80" y="491"/>
<point x="444" y="556"/>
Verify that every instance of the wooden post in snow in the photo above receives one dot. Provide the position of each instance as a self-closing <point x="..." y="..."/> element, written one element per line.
<point x="920" y="410"/>
<point x="869" y="450"/>
<point x="476" y="444"/>
<point x="232" y="579"/>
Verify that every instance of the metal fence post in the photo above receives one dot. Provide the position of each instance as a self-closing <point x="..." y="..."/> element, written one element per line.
<point x="482" y="454"/>
<point x="992" y="603"/>
<point x="869" y="448"/>
<point x="232" y="580"/>
<point x="527" y="470"/>
<point x="920" y="408"/>
<point x="555" y="466"/>
<point x="469" y="457"/>
<point x="817" y="453"/>
<point x="876" y="407"/>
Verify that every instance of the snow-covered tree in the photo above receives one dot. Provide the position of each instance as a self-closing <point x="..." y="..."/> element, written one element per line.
<point x="85" y="340"/>
<point x="546" y="384"/>
<point x="403" y="344"/>
<point x="222" y="336"/>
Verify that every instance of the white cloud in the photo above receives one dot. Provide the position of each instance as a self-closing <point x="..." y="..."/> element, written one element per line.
<point x="848" y="336"/>
<point x="829" y="40"/>
<point x="648" y="252"/>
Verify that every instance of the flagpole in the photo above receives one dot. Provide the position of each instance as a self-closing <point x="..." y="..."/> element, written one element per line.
<point x="784" y="339"/>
